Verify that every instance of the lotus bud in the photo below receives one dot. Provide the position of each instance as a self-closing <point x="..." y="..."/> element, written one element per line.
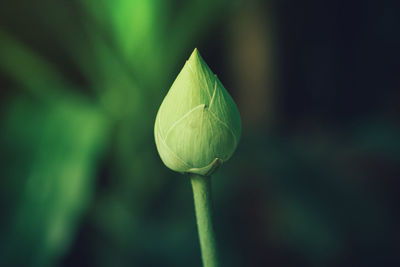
<point x="198" y="125"/>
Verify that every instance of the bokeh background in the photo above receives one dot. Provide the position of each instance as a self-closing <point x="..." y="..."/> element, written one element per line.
<point x="314" y="181"/>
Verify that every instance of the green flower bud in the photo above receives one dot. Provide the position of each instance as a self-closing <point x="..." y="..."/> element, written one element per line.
<point x="198" y="125"/>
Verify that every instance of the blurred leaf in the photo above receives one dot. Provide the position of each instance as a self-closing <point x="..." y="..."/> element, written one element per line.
<point x="48" y="156"/>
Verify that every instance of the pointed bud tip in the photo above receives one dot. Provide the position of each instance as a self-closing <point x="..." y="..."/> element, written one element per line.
<point x="195" y="55"/>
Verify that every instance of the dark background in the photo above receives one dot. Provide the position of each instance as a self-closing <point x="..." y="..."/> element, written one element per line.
<point x="314" y="181"/>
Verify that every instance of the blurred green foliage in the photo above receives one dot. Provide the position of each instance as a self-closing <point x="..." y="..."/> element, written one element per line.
<point x="48" y="158"/>
<point x="81" y="183"/>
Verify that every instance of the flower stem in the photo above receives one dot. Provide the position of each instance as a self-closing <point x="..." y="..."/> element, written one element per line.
<point x="203" y="205"/>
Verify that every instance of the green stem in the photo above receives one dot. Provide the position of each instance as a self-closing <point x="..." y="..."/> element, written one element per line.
<point x="203" y="206"/>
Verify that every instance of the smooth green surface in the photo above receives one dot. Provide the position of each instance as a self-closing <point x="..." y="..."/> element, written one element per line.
<point x="203" y="205"/>
<point x="198" y="124"/>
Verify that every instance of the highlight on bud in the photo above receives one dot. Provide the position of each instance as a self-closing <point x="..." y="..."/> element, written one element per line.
<point x="198" y="126"/>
